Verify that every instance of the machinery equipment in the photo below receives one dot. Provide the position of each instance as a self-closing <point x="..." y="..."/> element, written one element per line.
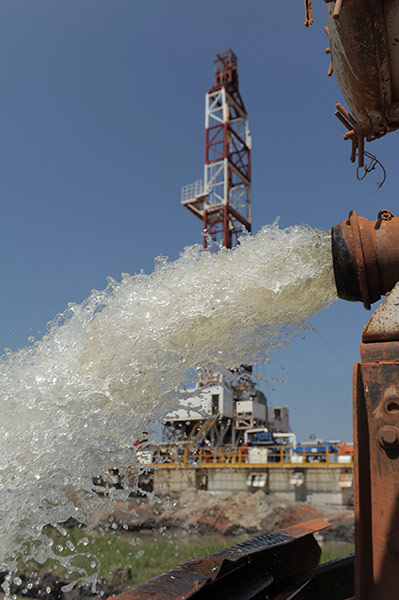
<point x="364" y="49"/>
<point x="366" y="257"/>
<point x="366" y="265"/>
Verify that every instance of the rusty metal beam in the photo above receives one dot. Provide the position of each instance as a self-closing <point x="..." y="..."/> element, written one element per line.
<point x="267" y="564"/>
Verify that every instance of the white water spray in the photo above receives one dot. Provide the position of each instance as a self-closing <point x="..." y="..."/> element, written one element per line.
<point x="73" y="402"/>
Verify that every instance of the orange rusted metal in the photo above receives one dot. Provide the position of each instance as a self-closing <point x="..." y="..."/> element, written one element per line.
<point x="365" y="57"/>
<point x="366" y="256"/>
<point x="364" y="50"/>
<point x="366" y="265"/>
<point x="308" y="13"/>
<point x="376" y="436"/>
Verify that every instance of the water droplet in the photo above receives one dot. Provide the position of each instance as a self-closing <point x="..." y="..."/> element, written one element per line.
<point x="83" y="541"/>
<point x="134" y="542"/>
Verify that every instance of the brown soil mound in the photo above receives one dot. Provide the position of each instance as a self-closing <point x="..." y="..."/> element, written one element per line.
<point x="227" y="513"/>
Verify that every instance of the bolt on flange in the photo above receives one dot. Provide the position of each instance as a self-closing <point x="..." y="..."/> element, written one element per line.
<point x="389" y="437"/>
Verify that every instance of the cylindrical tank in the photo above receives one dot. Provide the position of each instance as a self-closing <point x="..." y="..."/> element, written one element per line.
<point x="365" y="54"/>
<point x="364" y="46"/>
<point x="366" y="256"/>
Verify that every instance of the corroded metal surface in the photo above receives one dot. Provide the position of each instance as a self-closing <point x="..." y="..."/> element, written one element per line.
<point x="376" y="437"/>
<point x="384" y="324"/>
<point x="364" y="46"/>
<point x="366" y="256"/>
<point x="360" y="52"/>
<point x="364" y="49"/>
<point x="243" y="571"/>
<point x="377" y="490"/>
<point x="366" y="265"/>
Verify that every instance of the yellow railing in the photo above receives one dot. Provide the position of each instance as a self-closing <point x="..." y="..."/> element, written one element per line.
<point x="228" y="456"/>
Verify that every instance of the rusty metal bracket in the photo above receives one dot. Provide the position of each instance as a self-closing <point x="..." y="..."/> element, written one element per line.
<point x="308" y="13"/>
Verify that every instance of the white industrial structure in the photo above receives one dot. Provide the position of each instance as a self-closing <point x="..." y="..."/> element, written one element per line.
<point x="251" y="409"/>
<point x="220" y="413"/>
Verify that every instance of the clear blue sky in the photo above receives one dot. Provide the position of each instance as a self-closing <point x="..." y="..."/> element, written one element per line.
<point x="101" y="112"/>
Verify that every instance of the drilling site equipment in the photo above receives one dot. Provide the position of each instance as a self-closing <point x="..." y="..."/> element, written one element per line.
<point x="366" y="263"/>
<point x="364" y="50"/>
<point x="223" y="200"/>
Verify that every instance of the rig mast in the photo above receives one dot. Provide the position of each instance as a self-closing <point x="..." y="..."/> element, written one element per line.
<point x="223" y="200"/>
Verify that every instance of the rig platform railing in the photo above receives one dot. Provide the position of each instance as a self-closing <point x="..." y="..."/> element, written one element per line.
<point x="270" y="456"/>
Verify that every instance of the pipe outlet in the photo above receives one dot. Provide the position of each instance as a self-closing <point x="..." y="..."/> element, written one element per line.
<point x="366" y="257"/>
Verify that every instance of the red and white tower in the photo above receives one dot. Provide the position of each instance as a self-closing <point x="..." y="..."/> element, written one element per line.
<point x="223" y="199"/>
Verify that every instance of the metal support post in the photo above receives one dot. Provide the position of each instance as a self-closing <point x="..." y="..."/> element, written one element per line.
<point x="376" y="437"/>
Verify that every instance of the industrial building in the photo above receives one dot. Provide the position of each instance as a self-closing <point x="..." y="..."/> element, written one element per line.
<point x="221" y="412"/>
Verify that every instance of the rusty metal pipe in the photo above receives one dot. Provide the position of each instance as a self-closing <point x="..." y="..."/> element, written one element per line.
<point x="366" y="257"/>
<point x="337" y="9"/>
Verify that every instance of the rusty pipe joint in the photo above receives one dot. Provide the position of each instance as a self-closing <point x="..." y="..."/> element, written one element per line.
<point x="366" y="257"/>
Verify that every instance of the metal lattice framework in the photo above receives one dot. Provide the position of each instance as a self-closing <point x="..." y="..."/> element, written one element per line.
<point x="223" y="202"/>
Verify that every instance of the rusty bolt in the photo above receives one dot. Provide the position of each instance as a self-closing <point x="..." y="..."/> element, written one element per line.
<point x="389" y="437"/>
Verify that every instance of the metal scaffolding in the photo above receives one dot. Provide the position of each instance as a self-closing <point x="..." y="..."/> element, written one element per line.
<point x="223" y="202"/>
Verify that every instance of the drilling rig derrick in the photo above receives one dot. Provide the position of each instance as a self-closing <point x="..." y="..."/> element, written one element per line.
<point x="223" y="199"/>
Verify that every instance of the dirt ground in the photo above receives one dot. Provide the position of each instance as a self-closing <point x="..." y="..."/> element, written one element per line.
<point x="229" y="514"/>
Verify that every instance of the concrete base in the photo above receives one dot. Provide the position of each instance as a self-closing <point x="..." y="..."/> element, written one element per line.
<point x="314" y="484"/>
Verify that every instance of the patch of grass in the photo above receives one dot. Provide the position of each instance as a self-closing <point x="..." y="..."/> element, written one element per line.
<point x="124" y="558"/>
<point x="127" y="558"/>
<point x="334" y="550"/>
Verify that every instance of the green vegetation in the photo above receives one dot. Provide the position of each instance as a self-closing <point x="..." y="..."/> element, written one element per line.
<point x="333" y="550"/>
<point x="122" y="557"/>
<point x="128" y="558"/>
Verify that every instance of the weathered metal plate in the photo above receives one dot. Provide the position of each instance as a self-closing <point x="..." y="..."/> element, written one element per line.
<point x="384" y="323"/>
<point x="376" y="404"/>
<point x="365" y="54"/>
<point x="354" y="56"/>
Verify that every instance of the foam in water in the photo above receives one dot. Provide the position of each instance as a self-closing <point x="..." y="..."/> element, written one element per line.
<point x="73" y="402"/>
